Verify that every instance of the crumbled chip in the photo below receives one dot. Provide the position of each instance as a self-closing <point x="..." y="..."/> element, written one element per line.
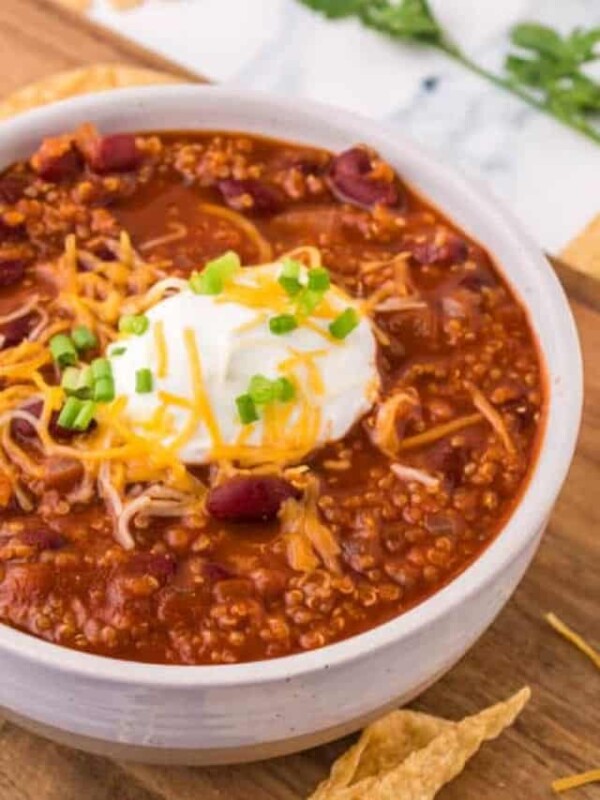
<point x="122" y="5"/>
<point x="84" y="80"/>
<point x="75" y="5"/>
<point x="410" y="756"/>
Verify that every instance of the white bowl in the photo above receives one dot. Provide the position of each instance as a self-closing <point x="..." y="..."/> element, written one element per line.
<point x="217" y="714"/>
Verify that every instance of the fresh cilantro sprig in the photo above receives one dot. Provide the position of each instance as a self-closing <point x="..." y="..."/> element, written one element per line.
<point x="546" y="71"/>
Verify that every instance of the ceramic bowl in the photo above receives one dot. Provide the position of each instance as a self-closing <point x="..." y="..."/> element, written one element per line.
<point x="218" y="714"/>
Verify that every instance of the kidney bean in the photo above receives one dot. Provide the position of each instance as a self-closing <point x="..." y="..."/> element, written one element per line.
<point x="57" y="163"/>
<point x="452" y="250"/>
<point x="116" y="153"/>
<point x="351" y="180"/>
<point x="15" y="331"/>
<point x="12" y="270"/>
<point x="251" y="195"/>
<point x="43" y="539"/>
<point x="249" y="499"/>
<point x="12" y="188"/>
<point x="61" y="473"/>
<point x="158" y="565"/>
<point x="22" y="429"/>
<point x="216" y="572"/>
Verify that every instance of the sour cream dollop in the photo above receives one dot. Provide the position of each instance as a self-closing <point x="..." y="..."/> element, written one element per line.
<point x="203" y="351"/>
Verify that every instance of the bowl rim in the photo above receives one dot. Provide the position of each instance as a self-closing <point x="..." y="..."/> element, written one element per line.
<point x="552" y="462"/>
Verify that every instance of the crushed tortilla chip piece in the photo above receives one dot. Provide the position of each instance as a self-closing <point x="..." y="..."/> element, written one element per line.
<point x="122" y="5"/>
<point x="410" y="756"/>
<point x="574" y="781"/>
<point x="573" y="637"/>
<point x="75" y="5"/>
<point x="83" y="80"/>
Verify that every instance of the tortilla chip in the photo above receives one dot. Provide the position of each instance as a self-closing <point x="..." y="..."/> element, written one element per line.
<point x="122" y="5"/>
<point x="583" y="252"/>
<point x="84" y="80"/>
<point x="411" y="756"/>
<point x="75" y="5"/>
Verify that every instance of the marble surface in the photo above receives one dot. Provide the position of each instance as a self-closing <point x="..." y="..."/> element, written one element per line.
<point x="547" y="174"/>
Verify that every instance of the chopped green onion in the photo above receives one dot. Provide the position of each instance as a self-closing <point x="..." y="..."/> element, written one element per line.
<point x="143" y="381"/>
<point x="84" y="416"/>
<point x="201" y="283"/>
<point x="284" y="390"/>
<point x="289" y="278"/>
<point x="84" y="338"/>
<point x="117" y="351"/>
<point x="215" y="274"/>
<point x="246" y="409"/>
<point x="134" y="323"/>
<point x="70" y="380"/>
<point x="68" y="415"/>
<point x="101" y="368"/>
<point x="318" y="279"/>
<point x="77" y="382"/>
<point x="261" y="390"/>
<point x="284" y="323"/>
<point x="104" y="390"/>
<point x="63" y="350"/>
<point x="308" y="301"/>
<point x="85" y="384"/>
<point x="344" y="324"/>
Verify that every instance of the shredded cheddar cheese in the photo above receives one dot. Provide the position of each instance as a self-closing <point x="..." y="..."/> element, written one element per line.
<point x="162" y="352"/>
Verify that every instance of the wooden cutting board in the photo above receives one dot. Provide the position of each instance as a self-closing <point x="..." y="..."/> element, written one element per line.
<point x="559" y="733"/>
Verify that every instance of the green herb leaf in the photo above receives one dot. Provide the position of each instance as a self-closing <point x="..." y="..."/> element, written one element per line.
<point x="410" y="19"/>
<point x="539" y="38"/>
<point x="545" y="71"/>
<point x="336" y="9"/>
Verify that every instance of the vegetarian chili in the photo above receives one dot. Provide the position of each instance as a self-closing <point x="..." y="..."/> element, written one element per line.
<point x="263" y="506"/>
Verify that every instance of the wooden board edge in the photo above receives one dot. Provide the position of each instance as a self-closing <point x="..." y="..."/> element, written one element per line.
<point x="123" y="46"/>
